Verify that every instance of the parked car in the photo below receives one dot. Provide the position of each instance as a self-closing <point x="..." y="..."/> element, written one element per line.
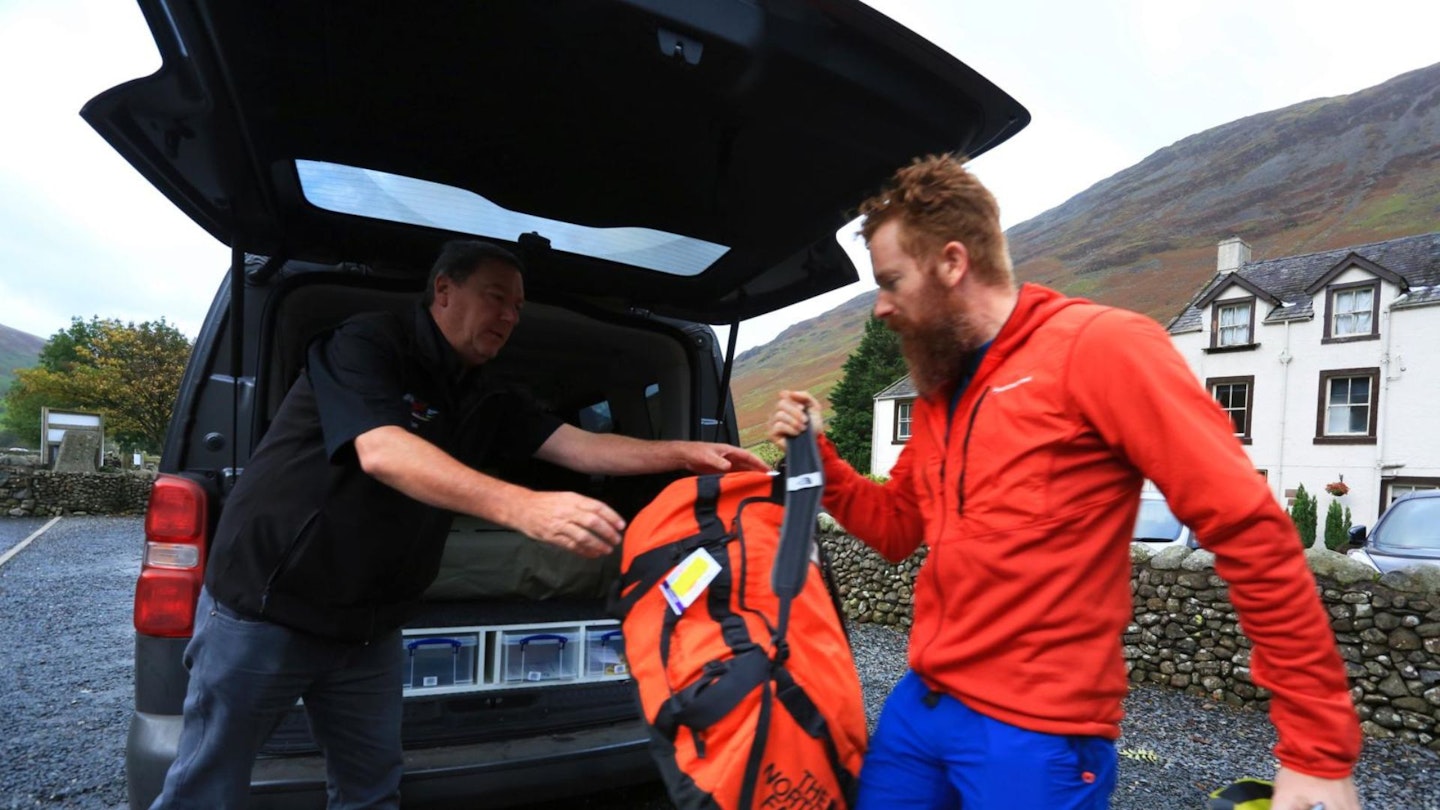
<point x="1408" y="533"/>
<point x="1156" y="525"/>
<point x="659" y="166"/>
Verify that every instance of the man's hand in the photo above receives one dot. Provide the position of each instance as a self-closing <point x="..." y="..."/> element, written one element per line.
<point x="570" y="521"/>
<point x="793" y="412"/>
<point x="1296" y="791"/>
<point x="708" y="457"/>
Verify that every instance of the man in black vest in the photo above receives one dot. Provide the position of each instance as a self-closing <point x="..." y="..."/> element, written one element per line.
<point x="338" y="524"/>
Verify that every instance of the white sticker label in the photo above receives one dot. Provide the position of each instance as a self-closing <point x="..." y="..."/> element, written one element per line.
<point x="688" y="580"/>
<point x="429" y="680"/>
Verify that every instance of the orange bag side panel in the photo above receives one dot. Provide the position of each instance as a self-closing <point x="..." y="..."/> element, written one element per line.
<point x="795" y="772"/>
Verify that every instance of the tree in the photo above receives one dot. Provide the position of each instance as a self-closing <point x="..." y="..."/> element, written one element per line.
<point x="1305" y="515"/>
<point x="1337" y="526"/>
<point x="874" y="365"/>
<point x="127" y="373"/>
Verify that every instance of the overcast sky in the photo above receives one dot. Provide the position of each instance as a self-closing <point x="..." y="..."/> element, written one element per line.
<point x="1107" y="83"/>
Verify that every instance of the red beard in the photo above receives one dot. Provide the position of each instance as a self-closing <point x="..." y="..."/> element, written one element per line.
<point x="938" y="340"/>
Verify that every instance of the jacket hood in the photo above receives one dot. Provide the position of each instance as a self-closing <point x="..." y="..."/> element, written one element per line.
<point x="1035" y="306"/>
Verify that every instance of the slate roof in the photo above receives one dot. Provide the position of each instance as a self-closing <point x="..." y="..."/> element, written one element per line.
<point x="902" y="388"/>
<point x="1416" y="259"/>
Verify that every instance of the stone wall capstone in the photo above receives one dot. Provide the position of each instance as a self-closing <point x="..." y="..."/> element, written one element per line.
<point x="1185" y="634"/>
<point x="27" y="491"/>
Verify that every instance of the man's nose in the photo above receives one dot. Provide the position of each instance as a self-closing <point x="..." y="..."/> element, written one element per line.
<point x="884" y="307"/>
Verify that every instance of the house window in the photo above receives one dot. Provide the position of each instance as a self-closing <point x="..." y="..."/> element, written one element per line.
<point x="1235" y="395"/>
<point x="902" y="420"/>
<point x="1234" y="323"/>
<point x="1347" y="412"/>
<point x="1352" y="312"/>
<point x="1392" y="489"/>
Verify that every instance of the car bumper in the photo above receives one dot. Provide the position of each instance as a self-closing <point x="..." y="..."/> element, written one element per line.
<point x="508" y="773"/>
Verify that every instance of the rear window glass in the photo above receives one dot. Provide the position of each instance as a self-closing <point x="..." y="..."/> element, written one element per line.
<point x="1411" y="524"/>
<point x="380" y="195"/>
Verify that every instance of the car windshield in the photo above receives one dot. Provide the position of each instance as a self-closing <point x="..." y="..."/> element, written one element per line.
<point x="1412" y="523"/>
<point x="1155" y="523"/>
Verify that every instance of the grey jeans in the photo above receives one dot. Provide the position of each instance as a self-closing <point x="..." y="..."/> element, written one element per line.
<point x="245" y="674"/>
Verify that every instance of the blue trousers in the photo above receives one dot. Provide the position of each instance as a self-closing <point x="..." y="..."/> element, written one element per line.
<point x="932" y="752"/>
<point x="245" y="674"/>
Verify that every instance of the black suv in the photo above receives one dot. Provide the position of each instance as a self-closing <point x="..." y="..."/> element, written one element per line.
<point x="659" y="165"/>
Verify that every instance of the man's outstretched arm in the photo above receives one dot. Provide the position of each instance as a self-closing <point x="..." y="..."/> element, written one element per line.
<point x="405" y="462"/>
<point x="613" y="454"/>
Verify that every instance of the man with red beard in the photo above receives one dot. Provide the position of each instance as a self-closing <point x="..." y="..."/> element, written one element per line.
<point x="1038" y="419"/>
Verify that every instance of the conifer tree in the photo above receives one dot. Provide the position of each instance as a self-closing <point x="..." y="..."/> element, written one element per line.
<point x="1305" y="516"/>
<point x="874" y="365"/>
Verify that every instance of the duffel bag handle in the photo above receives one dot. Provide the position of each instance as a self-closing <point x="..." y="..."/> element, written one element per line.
<point x="804" y="486"/>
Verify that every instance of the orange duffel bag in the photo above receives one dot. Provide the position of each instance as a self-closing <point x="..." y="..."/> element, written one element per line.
<point x="736" y="644"/>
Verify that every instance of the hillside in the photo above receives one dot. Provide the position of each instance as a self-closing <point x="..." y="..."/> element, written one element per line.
<point x="17" y="350"/>
<point x="1314" y="176"/>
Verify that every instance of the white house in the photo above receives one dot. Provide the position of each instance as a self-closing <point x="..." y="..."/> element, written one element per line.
<point x="1328" y="363"/>
<point x="890" y="429"/>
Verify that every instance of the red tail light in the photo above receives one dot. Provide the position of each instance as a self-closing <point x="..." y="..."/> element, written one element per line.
<point x="174" y="565"/>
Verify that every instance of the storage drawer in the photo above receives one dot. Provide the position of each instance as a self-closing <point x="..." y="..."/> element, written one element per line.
<point x="535" y="657"/>
<point x="434" y="661"/>
<point x="605" y="653"/>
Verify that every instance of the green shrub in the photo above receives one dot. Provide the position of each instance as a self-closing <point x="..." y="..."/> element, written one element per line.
<point x="1305" y="516"/>
<point x="1337" y="526"/>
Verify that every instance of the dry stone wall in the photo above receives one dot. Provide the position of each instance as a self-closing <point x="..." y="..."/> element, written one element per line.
<point x="1185" y="633"/>
<point x="27" y="491"/>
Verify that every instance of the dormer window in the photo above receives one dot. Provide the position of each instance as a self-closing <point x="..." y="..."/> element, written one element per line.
<point x="1233" y="324"/>
<point x="1352" y="311"/>
<point x="1232" y="302"/>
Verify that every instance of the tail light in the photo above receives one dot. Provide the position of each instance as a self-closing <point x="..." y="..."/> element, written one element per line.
<point x="174" y="564"/>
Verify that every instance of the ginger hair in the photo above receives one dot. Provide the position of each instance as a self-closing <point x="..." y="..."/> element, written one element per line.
<point x="936" y="200"/>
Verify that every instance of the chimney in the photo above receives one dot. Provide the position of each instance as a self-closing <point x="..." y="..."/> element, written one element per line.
<point x="1233" y="253"/>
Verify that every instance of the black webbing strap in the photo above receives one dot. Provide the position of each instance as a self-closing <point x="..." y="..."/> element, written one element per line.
<point x="804" y="487"/>
<point x="715" y="694"/>
<point x="807" y="715"/>
<point x="707" y="495"/>
<point x="645" y="571"/>
<point x="711" y="535"/>
<point x="757" y="747"/>
<point x="649" y="567"/>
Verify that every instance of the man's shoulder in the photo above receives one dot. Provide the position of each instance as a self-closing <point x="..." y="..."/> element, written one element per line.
<point x="1101" y="319"/>
<point x="378" y="322"/>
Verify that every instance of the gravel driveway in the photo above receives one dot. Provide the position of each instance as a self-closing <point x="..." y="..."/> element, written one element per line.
<point x="65" y="621"/>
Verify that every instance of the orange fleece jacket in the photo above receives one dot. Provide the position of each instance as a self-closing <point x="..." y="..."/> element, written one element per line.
<point x="1027" y="500"/>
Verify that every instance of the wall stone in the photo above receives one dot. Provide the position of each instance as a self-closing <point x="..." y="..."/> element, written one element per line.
<point x="1186" y="635"/>
<point x="27" y="491"/>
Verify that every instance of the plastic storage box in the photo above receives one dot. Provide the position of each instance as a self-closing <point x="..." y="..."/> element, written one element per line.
<point x="435" y="661"/>
<point x="605" y="653"/>
<point x="545" y="656"/>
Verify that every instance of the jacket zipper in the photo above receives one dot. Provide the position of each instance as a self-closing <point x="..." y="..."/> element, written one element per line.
<point x="960" y="504"/>
<point x="965" y="453"/>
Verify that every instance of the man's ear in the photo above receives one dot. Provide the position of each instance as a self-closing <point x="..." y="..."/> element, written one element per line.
<point x="954" y="264"/>
<point x="443" y="285"/>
